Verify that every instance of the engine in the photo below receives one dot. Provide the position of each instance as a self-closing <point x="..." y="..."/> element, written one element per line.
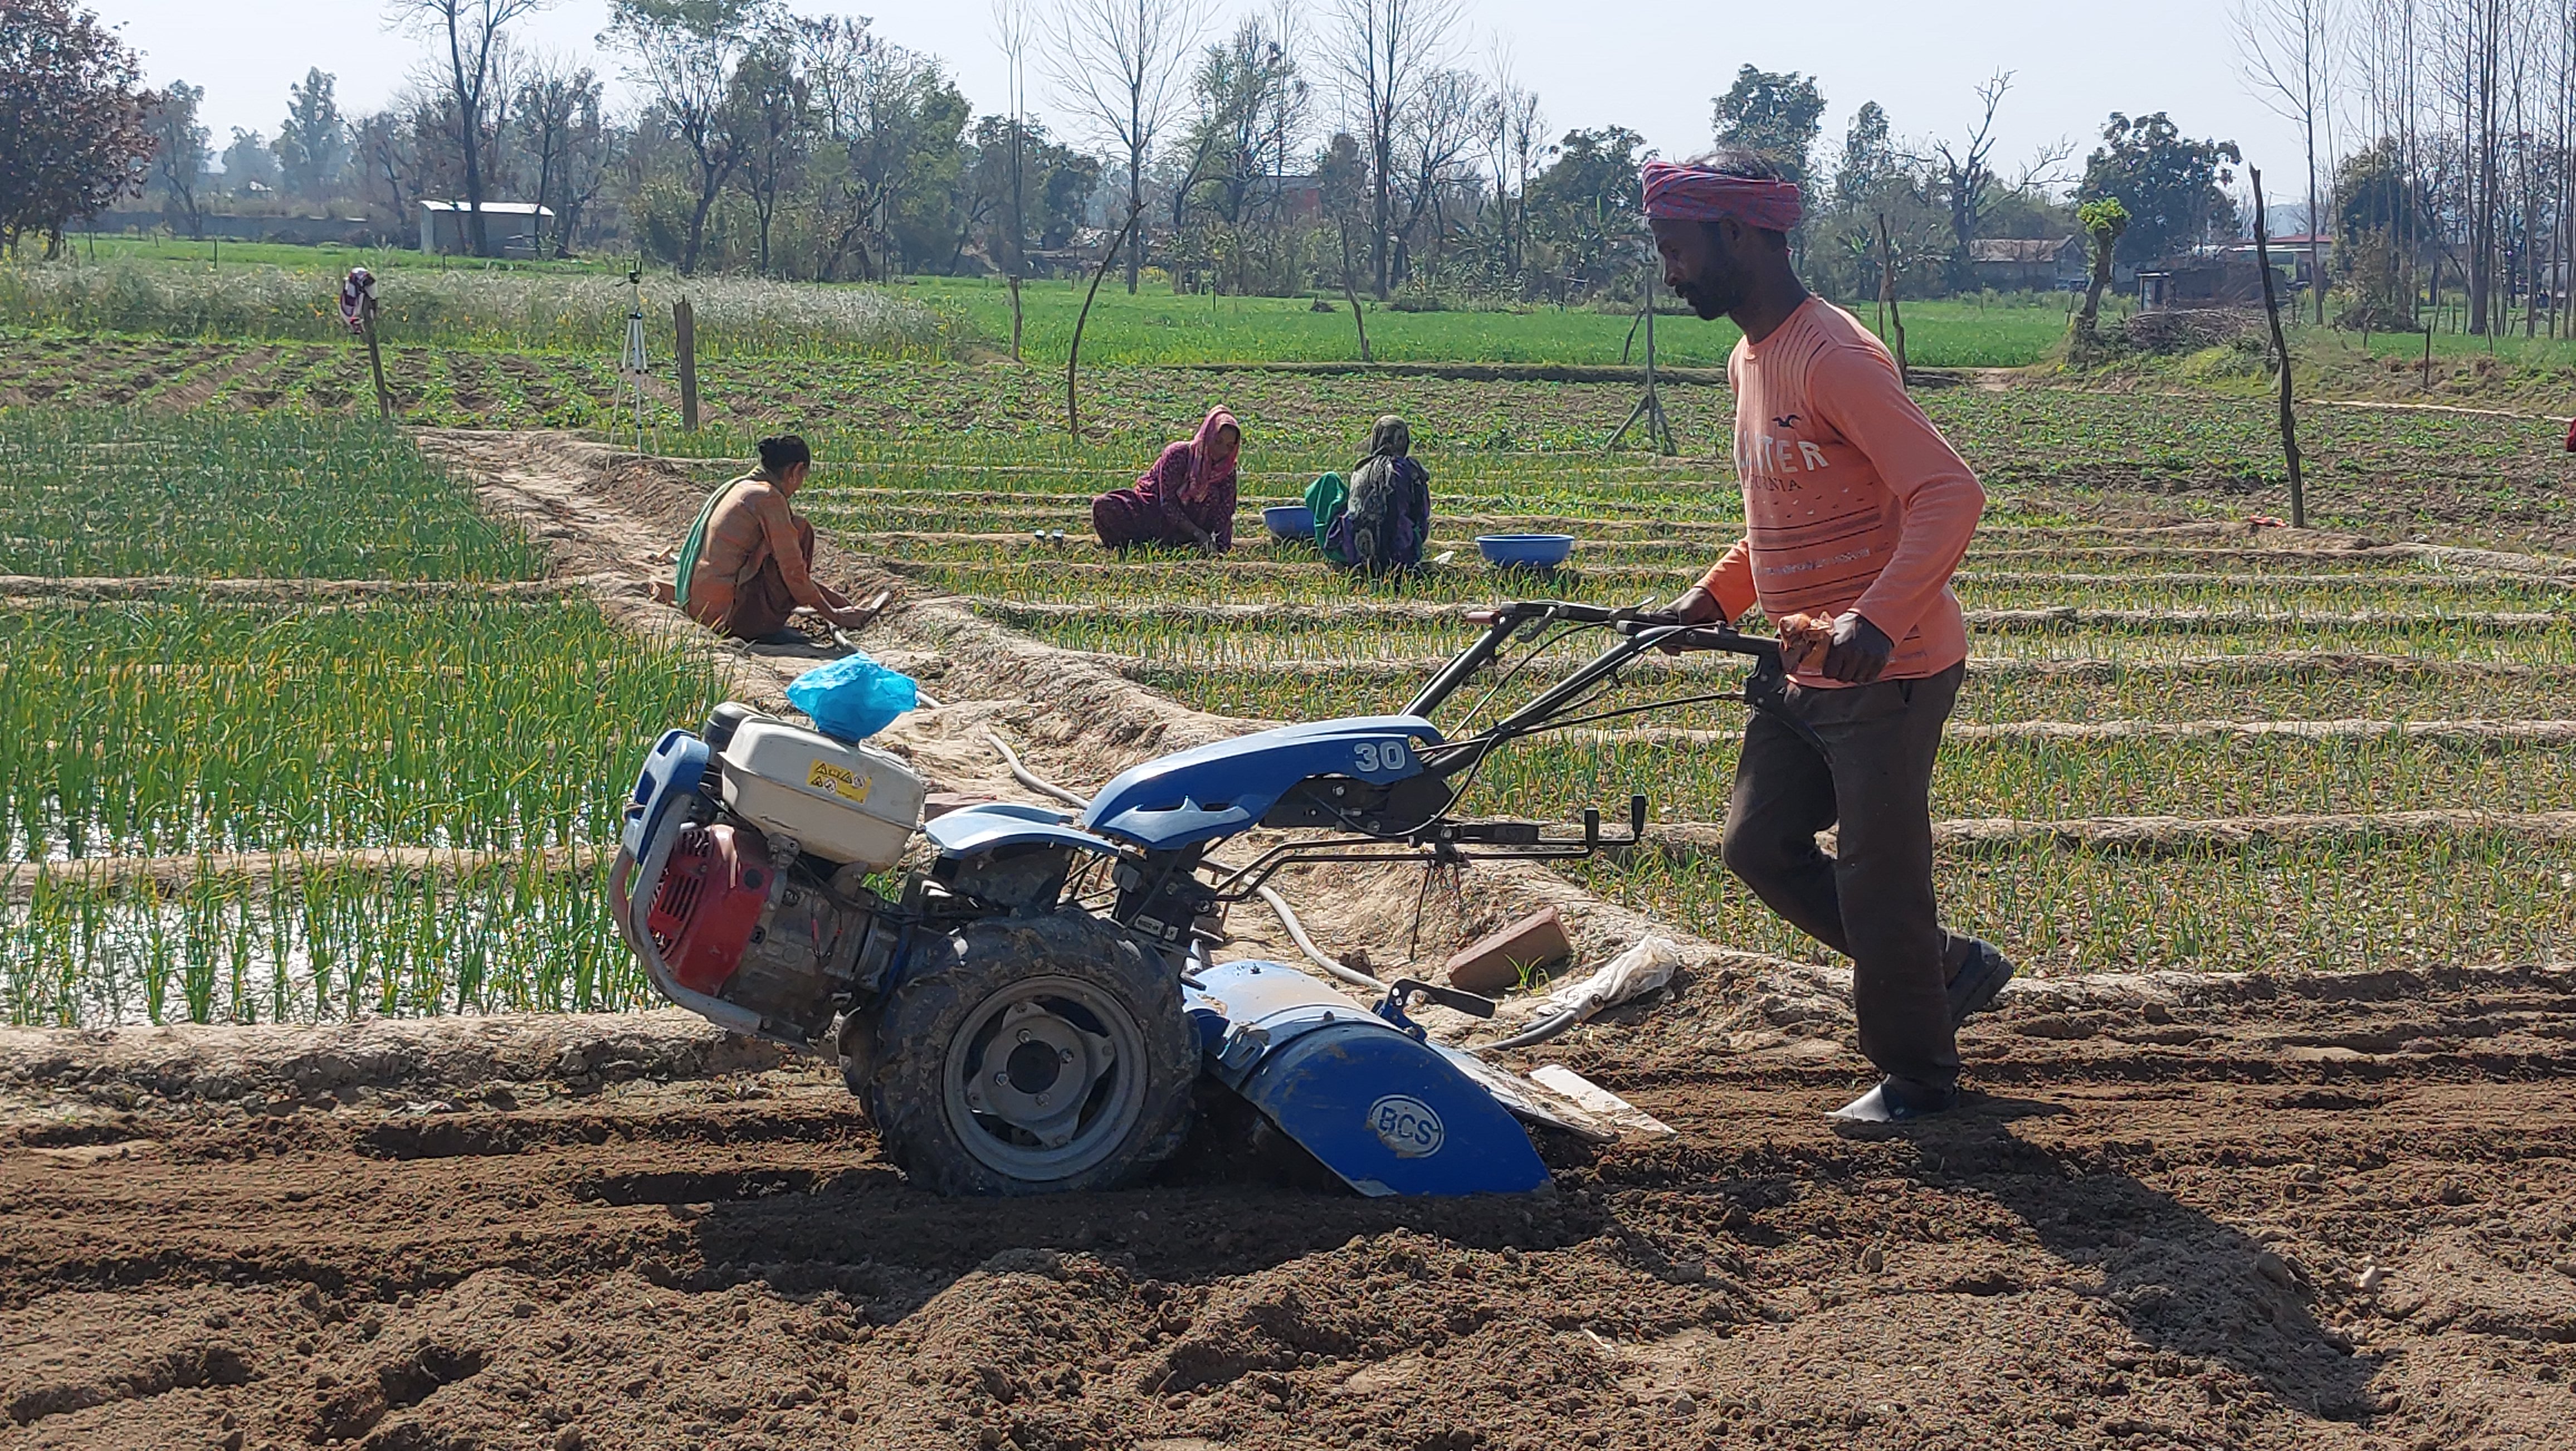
<point x="764" y="903"/>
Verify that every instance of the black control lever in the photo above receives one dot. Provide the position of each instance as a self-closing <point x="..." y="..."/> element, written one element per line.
<point x="1405" y="989"/>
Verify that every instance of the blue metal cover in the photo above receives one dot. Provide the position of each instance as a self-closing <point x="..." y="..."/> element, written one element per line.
<point x="1216" y="790"/>
<point x="1388" y="1114"/>
<point x="670" y="775"/>
<point x="974" y="829"/>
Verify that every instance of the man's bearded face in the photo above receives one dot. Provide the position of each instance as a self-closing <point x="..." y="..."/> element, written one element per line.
<point x="1699" y="267"/>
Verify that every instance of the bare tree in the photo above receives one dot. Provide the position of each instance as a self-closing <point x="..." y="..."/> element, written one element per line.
<point x="473" y="31"/>
<point x="1514" y="133"/>
<point x="1123" y="64"/>
<point x="1385" y="52"/>
<point x="1431" y="146"/>
<point x="2284" y="52"/>
<point x="1967" y="172"/>
<point x="179" y="154"/>
<point x="558" y="114"/>
<point x="1012" y="31"/>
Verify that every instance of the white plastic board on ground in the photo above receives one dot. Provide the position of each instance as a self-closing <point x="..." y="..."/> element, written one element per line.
<point x="1598" y="1100"/>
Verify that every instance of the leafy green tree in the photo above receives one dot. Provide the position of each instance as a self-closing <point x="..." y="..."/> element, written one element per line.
<point x="72" y="119"/>
<point x="1871" y="179"/>
<point x="1869" y="165"/>
<point x="1583" y="206"/>
<point x="1055" y="183"/>
<point x="771" y="97"/>
<point x="313" y="140"/>
<point x="686" y="53"/>
<point x="2379" y="206"/>
<point x="249" y="162"/>
<point x="2103" y="222"/>
<point x="890" y="167"/>
<point x="2172" y="187"/>
<point x="1777" y="113"/>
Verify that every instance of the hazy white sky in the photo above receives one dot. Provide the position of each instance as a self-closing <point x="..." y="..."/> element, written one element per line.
<point x="1649" y="64"/>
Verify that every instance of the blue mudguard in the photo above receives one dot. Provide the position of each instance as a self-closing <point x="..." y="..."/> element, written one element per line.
<point x="1220" y="789"/>
<point x="1387" y="1113"/>
<point x="973" y="829"/>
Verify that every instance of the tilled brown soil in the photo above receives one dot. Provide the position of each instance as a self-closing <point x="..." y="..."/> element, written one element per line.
<point x="2335" y="1212"/>
<point x="2291" y="1216"/>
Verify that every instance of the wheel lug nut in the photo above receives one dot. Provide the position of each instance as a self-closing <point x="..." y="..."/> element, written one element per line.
<point x="1024" y="1035"/>
<point x="1042" y="1098"/>
<point x="1066" y="1055"/>
<point x="1001" y="1078"/>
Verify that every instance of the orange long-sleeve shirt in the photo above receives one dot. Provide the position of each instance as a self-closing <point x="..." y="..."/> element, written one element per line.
<point x="1852" y="499"/>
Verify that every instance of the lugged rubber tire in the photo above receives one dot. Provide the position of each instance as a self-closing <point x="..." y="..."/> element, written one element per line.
<point x="907" y="1094"/>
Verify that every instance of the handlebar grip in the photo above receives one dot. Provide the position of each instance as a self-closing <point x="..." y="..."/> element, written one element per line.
<point x="1760" y="647"/>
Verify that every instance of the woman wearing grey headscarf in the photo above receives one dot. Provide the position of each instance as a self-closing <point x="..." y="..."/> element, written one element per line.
<point x="1388" y="521"/>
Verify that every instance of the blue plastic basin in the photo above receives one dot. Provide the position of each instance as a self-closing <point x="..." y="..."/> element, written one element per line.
<point x="1290" y="521"/>
<point x="1525" y="551"/>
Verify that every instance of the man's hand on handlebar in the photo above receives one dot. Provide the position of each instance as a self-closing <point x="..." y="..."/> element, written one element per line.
<point x="1696" y="607"/>
<point x="1859" y="651"/>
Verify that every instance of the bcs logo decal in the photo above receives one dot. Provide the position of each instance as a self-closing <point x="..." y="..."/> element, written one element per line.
<point x="1407" y="1125"/>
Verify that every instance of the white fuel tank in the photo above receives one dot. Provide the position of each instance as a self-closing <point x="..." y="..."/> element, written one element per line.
<point x="843" y="803"/>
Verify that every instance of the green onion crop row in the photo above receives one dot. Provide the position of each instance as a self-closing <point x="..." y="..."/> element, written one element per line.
<point x="2145" y="694"/>
<point x="2048" y="779"/>
<point x="320" y="947"/>
<point x="2465" y="898"/>
<point x="206" y="493"/>
<point x="166" y="728"/>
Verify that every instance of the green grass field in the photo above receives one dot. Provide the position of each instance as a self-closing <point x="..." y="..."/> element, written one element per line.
<point x="1155" y="326"/>
<point x="331" y="257"/>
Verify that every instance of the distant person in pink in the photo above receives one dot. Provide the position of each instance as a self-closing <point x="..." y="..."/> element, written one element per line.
<point x="1185" y="500"/>
<point x="1857" y="511"/>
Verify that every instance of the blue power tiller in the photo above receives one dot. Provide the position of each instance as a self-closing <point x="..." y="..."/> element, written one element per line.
<point x="1032" y="1010"/>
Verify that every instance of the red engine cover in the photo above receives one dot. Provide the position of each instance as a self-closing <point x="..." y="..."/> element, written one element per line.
<point x="710" y="903"/>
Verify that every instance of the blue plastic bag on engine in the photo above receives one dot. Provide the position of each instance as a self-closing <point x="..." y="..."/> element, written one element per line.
<point x="854" y="697"/>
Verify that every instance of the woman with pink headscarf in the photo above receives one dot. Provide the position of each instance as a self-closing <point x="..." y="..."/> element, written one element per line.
<point x="1185" y="499"/>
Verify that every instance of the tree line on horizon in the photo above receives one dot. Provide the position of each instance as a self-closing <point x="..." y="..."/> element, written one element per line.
<point x="1311" y="146"/>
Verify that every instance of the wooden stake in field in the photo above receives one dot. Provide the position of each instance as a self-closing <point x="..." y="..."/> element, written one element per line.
<point x="2281" y="353"/>
<point x="684" y="342"/>
<point x="1015" y="317"/>
<point x="1659" y="431"/>
<point x="358" y="309"/>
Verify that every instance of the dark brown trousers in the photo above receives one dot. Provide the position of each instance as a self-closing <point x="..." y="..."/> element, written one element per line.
<point x="1871" y="900"/>
<point x="762" y="603"/>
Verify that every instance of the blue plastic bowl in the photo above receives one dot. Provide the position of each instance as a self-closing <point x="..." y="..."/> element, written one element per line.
<point x="1525" y="551"/>
<point x="1290" y="521"/>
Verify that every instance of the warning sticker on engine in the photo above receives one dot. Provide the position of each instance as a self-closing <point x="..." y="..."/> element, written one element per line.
<point x="840" y="780"/>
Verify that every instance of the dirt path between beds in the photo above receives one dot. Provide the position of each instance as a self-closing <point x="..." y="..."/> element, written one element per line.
<point x="2185" y="1212"/>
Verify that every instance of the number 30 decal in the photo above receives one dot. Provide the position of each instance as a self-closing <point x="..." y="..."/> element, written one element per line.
<point x="1383" y="756"/>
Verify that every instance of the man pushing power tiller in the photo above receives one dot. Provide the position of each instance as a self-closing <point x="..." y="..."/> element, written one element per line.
<point x="1856" y="512"/>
